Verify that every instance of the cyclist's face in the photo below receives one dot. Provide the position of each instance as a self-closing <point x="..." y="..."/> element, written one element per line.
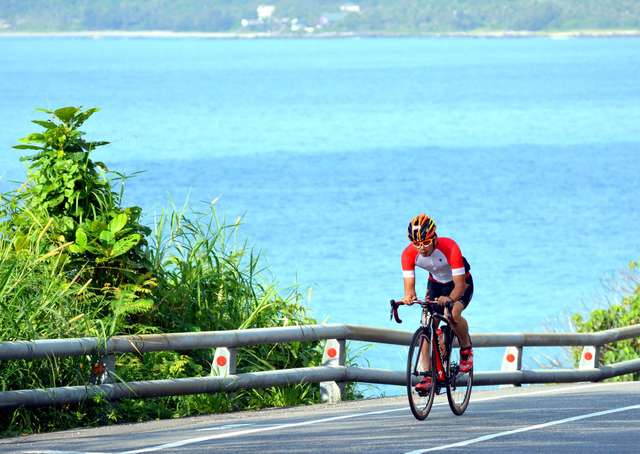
<point x="425" y="249"/>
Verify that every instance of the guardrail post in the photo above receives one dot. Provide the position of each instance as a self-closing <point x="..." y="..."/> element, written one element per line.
<point x="334" y="355"/>
<point x="590" y="357"/>
<point x="224" y="362"/>
<point x="511" y="361"/>
<point x="598" y="356"/>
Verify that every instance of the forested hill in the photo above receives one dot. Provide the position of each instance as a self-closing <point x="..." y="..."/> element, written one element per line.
<point x="311" y="16"/>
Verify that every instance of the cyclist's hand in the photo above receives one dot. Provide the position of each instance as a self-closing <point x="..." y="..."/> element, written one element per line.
<point x="409" y="299"/>
<point x="442" y="300"/>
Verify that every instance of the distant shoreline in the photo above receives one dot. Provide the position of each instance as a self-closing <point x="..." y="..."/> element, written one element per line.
<point x="337" y="35"/>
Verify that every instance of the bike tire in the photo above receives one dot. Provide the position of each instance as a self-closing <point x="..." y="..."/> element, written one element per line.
<point x="459" y="385"/>
<point x="419" y="404"/>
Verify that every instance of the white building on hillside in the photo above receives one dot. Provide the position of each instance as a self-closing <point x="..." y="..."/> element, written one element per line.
<point x="265" y="11"/>
<point x="350" y="8"/>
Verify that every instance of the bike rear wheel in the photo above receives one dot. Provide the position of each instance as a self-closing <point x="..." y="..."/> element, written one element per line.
<point x="459" y="385"/>
<point x="417" y="365"/>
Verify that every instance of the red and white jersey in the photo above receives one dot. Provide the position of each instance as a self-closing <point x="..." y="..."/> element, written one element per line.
<point x="445" y="262"/>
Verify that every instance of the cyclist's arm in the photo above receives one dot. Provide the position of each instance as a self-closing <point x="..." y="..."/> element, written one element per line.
<point x="408" y="260"/>
<point x="459" y="287"/>
<point x="409" y="289"/>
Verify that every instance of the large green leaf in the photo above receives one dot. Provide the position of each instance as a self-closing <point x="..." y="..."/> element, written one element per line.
<point x="68" y="223"/>
<point x="81" y="238"/>
<point x="107" y="236"/>
<point x="96" y="250"/>
<point x="118" y="223"/>
<point x="125" y="244"/>
<point x="76" y="249"/>
<point x="55" y="201"/>
<point x="34" y="137"/>
<point x="27" y="147"/>
<point x="66" y="114"/>
<point x="92" y="145"/>
<point x="83" y="116"/>
<point x="45" y="124"/>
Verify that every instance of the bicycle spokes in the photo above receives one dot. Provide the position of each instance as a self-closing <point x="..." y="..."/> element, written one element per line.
<point x="419" y="366"/>
<point x="419" y="369"/>
<point x="459" y="384"/>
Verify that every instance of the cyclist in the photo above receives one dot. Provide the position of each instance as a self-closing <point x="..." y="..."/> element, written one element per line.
<point x="449" y="282"/>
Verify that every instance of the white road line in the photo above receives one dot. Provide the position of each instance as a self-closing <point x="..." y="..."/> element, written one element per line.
<point x="53" y="451"/>
<point x="189" y="441"/>
<point x="227" y="426"/>
<point x="524" y="429"/>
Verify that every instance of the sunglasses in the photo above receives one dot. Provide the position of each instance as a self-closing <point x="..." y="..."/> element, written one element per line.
<point x="423" y="244"/>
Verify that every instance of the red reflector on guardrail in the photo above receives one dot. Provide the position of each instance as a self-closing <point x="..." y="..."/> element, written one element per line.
<point x="511" y="361"/>
<point x="588" y="358"/>
<point x="221" y="362"/>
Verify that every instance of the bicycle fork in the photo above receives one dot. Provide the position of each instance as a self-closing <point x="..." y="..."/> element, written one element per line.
<point x="438" y="351"/>
<point x="435" y="346"/>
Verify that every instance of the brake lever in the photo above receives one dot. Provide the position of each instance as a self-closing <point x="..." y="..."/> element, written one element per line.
<point x="394" y="311"/>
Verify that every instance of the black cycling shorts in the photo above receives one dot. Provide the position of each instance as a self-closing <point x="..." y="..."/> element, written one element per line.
<point x="436" y="289"/>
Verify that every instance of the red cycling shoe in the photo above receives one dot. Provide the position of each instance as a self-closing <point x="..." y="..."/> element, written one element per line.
<point x="424" y="386"/>
<point x="466" y="360"/>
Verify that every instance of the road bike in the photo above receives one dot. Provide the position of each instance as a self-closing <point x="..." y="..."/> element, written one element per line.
<point x="443" y="366"/>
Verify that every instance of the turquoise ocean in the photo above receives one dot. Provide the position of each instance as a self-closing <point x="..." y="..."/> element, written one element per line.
<point x="525" y="151"/>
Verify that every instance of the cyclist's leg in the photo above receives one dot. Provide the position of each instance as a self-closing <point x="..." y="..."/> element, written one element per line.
<point x="461" y="327"/>
<point x="425" y="357"/>
<point x="459" y="324"/>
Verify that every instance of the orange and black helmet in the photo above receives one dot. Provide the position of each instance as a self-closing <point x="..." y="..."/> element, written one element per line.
<point x="422" y="229"/>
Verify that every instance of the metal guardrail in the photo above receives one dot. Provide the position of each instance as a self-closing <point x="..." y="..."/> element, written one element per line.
<point x="308" y="333"/>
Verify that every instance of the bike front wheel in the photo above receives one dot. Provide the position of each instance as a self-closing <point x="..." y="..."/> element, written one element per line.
<point x="459" y="384"/>
<point x="418" y="368"/>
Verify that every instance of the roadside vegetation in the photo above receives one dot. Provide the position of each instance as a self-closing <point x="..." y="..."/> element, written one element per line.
<point x="364" y="16"/>
<point x="75" y="262"/>
<point x="616" y="315"/>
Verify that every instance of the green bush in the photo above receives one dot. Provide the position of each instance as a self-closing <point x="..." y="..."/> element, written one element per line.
<point x="74" y="263"/>
<point x="619" y="315"/>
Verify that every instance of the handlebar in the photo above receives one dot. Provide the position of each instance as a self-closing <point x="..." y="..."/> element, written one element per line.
<point x="424" y="303"/>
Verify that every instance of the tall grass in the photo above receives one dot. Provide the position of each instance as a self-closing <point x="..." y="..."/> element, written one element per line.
<point x="38" y="301"/>
<point x="209" y="280"/>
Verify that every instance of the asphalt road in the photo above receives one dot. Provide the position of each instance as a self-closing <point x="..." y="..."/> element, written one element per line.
<point x="578" y="418"/>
